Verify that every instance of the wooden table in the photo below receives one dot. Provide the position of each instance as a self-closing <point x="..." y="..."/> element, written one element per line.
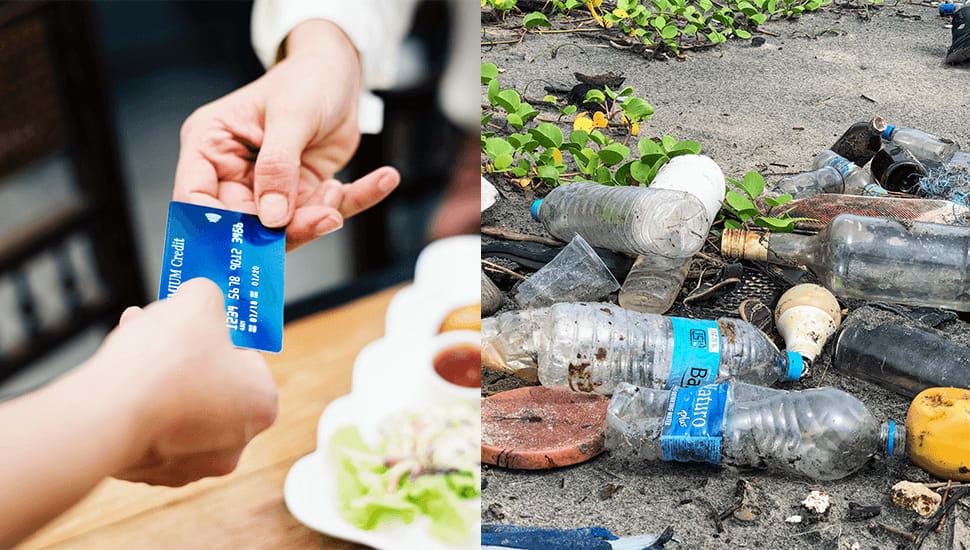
<point x="244" y="510"/>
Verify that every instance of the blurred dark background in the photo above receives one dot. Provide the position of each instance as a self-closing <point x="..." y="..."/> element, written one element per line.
<point x="92" y="96"/>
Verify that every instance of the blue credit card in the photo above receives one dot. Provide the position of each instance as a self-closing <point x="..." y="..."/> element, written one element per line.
<point x="239" y="254"/>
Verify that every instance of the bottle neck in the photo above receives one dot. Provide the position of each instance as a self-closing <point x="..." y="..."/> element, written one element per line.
<point x="791" y="249"/>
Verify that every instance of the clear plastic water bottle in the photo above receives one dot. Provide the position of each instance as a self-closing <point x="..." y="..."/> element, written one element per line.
<point x="634" y="220"/>
<point x="924" y="146"/>
<point x="857" y="180"/>
<point x="826" y="179"/>
<point x="822" y="434"/>
<point x="878" y="259"/>
<point x="653" y="283"/>
<point x="592" y="347"/>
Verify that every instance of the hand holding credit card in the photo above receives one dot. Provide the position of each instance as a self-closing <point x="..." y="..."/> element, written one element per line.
<point x="238" y="253"/>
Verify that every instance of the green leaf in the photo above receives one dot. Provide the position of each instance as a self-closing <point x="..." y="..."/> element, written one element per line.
<point x="775" y="224"/>
<point x="741" y="33"/>
<point x="535" y="19"/>
<point x="652" y="158"/>
<point x="739" y="202"/>
<point x="659" y="22"/>
<point x="613" y="153"/>
<point x="609" y="92"/>
<point x="733" y="224"/>
<point x="622" y="175"/>
<point x="503" y="161"/>
<point x="550" y="99"/>
<point x="592" y="164"/>
<point x="779" y="200"/>
<point x="690" y="29"/>
<point x="637" y="109"/>
<point x="705" y="5"/>
<point x="598" y="137"/>
<point x="518" y="140"/>
<point x="547" y="134"/>
<point x="489" y="72"/>
<point x="569" y="109"/>
<point x="523" y="168"/>
<point x="688" y="147"/>
<point x="667" y="143"/>
<point x="753" y="184"/>
<point x="603" y="175"/>
<point x="497" y="146"/>
<point x="640" y="171"/>
<point x="509" y="100"/>
<point x="625" y="92"/>
<point x="493" y="90"/>
<point x="515" y="121"/>
<point x="647" y="146"/>
<point x="669" y="31"/>
<point x="548" y="173"/>
<point x="758" y="18"/>
<point x="594" y="96"/>
<point x="579" y="137"/>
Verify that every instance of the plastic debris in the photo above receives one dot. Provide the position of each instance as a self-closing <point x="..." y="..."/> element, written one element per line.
<point x="489" y="194"/>
<point x="793" y="519"/>
<point x="586" y="538"/>
<point x="576" y="274"/>
<point x="916" y="497"/>
<point x="806" y="316"/>
<point x="940" y="440"/>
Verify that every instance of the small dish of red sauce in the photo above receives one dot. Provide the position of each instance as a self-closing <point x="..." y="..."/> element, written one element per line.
<point x="460" y="364"/>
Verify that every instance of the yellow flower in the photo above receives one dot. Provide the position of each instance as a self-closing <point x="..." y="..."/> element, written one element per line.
<point x="599" y="120"/>
<point x="582" y="122"/>
<point x="622" y="14"/>
<point x="635" y="129"/>
<point x="592" y="10"/>
<point x="557" y="156"/>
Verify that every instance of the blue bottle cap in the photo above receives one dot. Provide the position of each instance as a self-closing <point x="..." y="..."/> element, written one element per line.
<point x="795" y="366"/>
<point x="535" y="209"/>
<point x="891" y="439"/>
<point x="946" y="9"/>
<point x="888" y="132"/>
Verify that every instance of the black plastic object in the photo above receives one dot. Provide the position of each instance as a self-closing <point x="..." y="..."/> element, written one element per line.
<point x="904" y="359"/>
<point x="859" y="143"/>
<point x="536" y="255"/>
<point x="896" y="169"/>
<point x="960" y="48"/>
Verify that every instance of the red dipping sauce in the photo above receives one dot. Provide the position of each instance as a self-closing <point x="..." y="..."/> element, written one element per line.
<point x="461" y="365"/>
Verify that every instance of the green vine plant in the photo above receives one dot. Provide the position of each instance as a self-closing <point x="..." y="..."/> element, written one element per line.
<point x="676" y="24"/>
<point x="741" y="209"/>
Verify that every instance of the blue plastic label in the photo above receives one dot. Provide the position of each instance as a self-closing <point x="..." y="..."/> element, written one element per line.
<point x="843" y="165"/>
<point x="694" y="424"/>
<point x="697" y="352"/>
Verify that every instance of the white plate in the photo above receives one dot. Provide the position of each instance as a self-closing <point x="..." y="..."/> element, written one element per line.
<point x="311" y="496"/>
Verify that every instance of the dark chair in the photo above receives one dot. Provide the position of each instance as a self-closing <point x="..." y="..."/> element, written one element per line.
<point x="53" y="101"/>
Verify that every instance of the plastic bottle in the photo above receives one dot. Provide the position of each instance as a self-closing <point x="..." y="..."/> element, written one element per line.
<point x="861" y="141"/>
<point x="824" y="180"/>
<point x="950" y="9"/>
<point x="593" y="347"/>
<point x="654" y="281"/>
<point x="938" y="434"/>
<point x="924" y="146"/>
<point x="875" y="259"/>
<point x="821" y="434"/>
<point x="822" y="209"/>
<point x="634" y="220"/>
<point x="904" y="359"/>
<point x="511" y="342"/>
<point x="857" y="180"/>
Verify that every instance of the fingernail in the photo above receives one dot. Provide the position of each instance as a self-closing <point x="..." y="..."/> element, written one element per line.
<point x="328" y="225"/>
<point x="387" y="183"/>
<point x="272" y="209"/>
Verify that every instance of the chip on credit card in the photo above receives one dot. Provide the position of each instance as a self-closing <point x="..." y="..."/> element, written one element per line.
<point x="238" y="253"/>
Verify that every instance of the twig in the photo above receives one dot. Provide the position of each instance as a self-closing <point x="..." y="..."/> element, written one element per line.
<point x="494" y="267"/>
<point x="946" y="493"/>
<point x="769" y="33"/>
<point x="558" y="31"/>
<point x="899" y="532"/>
<point x="714" y="515"/>
<point x="949" y="484"/>
<point x="513" y="236"/>
<point x="496" y="43"/>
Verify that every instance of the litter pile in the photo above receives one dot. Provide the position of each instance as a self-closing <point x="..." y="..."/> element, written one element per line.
<point x="880" y="258"/>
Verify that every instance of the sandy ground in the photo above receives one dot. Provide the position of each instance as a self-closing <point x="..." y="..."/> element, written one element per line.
<point x="743" y="103"/>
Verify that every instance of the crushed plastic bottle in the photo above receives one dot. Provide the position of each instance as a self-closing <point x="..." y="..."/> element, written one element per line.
<point x="511" y="342"/>
<point x="858" y="181"/>
<point x="826" y="179"/>
<point x="593" y="347"/>
<point x="634" y="220"/>
<point x="875" y="259"/>
<point x="822" y="434"/>
<point x="654" y="281"/>
<point x="861" y="141"/>
<point x="924" y="146"/>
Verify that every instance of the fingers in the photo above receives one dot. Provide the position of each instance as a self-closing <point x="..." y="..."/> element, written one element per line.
<point x="196" y="180"/>
<point x="205" y="295"/>
<point x="277" y="171"/>
<point x="368" y="190"/>
<point x="311" y="222"/>
<point x="185" y="469"/>
<point x="129" y="314"/>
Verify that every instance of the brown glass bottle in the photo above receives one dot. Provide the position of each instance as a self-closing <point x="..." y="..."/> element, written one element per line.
<point x="861" y="141"/>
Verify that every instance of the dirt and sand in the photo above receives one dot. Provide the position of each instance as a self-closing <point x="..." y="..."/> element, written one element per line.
<point x="771" y="107"/>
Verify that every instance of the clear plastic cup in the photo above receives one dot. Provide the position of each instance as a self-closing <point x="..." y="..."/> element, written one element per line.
<point x="576" y="274"/>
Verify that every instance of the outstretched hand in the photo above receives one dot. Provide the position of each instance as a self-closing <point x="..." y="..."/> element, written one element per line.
<point x="272" y="147"/>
